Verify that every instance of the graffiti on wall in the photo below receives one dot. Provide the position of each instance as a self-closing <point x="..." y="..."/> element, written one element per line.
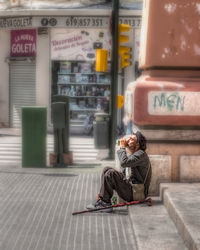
<point x="174" y="103"/>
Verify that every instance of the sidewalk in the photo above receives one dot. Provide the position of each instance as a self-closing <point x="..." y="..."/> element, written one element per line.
<point x="36" y="207"/>
<point x="37" y="204"/>
<point x="36" y="212"/>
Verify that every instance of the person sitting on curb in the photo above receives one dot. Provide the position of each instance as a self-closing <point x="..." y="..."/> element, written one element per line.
<point x="131" y="155"/>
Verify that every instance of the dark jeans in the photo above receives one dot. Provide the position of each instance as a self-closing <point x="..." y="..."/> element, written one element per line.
<point x="112" y="179"/>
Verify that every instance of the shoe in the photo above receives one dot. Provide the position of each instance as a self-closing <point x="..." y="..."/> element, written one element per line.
<point x="100" y="204"/>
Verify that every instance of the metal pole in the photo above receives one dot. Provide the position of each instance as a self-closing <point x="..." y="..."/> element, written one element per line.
<point x="123" y="91"/>
<point x="114" y="77"/>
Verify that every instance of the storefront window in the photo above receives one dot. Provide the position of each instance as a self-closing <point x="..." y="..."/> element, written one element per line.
<point x="73" y="53"/>
<point x="88" y="90"/>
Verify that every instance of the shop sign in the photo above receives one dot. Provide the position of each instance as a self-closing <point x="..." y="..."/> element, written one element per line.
<point x="78" y="44"/>
<point x="23" y="43"/>
<point x="99" y="22"/>
<point x="65" y="21"/>
<point x="15" y="22"/>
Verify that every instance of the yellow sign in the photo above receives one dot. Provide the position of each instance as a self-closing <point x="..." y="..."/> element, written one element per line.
<point x="101" y="60"/>
<point x="123" y="27"/>
<point x="120" y="101"/>
<point x="125" y="60"/>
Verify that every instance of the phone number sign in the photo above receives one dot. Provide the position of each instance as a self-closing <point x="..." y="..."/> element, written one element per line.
<point x="65" y="21"/>
<point x="100" y="22"/>
<point x="87" y="21"/>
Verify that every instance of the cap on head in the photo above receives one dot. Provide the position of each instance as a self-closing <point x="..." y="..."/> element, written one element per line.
<point x="141" y="140"/>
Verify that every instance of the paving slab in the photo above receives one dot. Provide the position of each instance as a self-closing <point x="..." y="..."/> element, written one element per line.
<point x="182" y="200"/>
<point x="36" y="212"/>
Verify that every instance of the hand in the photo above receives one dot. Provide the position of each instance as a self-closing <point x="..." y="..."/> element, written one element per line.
<point x="123" y="142"/>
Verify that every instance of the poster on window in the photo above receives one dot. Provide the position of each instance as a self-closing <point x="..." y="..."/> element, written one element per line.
<point x="79" y="44"/>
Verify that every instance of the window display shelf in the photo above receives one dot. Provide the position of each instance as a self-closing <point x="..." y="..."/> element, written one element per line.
<point x="83" y="110"/>
<point x="88" y="90"/>
<point x="84" y="83"/>
<point x="85" y="96"/>
<point x="83" y="73"/>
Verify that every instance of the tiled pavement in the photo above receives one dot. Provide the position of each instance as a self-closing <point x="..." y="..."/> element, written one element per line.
<point x="36" y="208"/>
<point x="36" y="212"/>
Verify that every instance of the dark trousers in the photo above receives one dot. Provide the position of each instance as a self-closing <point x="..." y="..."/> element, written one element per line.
<point x="112" y="179"/>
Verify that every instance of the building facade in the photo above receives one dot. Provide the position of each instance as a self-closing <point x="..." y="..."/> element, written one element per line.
<point x="46" y="52"/>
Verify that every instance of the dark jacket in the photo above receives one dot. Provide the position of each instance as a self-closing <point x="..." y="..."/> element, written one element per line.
<point x="139" y="163"/>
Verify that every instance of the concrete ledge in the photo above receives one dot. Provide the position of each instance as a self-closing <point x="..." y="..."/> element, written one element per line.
<point x="161" y="172"/>
<point x="175" y="151"/>
<point x="190" y="168"/>
<point x="182" y="202"/>
<point x="171" y="134"/>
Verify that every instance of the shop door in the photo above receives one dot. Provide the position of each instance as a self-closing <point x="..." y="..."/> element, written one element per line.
<point x="22" y="89"/>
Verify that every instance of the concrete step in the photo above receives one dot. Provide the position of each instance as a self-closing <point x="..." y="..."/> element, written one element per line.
<point x="10" y="152"/>
<point x="82" y="147"/>
<point x="182" y="201"/>
<point x="86" y="146"/>
<point x="18" y="149"/>
<point x="77" y="160"/>
<point x="153" y="227"/>
<point x="49" y="145"/>
<point x="7" y="145"/>
<point x="48" y="148"/>
<point x="10" y="157"/>
<point x="77" y="152"/>
<point x="77" y="156"/>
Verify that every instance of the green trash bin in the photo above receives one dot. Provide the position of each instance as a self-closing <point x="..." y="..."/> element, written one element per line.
<point x="101" y="130"/>
<point x="34" y="123"/>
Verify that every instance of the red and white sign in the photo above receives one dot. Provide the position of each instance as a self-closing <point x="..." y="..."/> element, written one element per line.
<point x="23" y="43"/>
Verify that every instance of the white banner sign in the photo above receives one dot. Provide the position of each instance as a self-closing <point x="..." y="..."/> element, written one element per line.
<point x="78" y="44"/>
<point x="175" y="103"/>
